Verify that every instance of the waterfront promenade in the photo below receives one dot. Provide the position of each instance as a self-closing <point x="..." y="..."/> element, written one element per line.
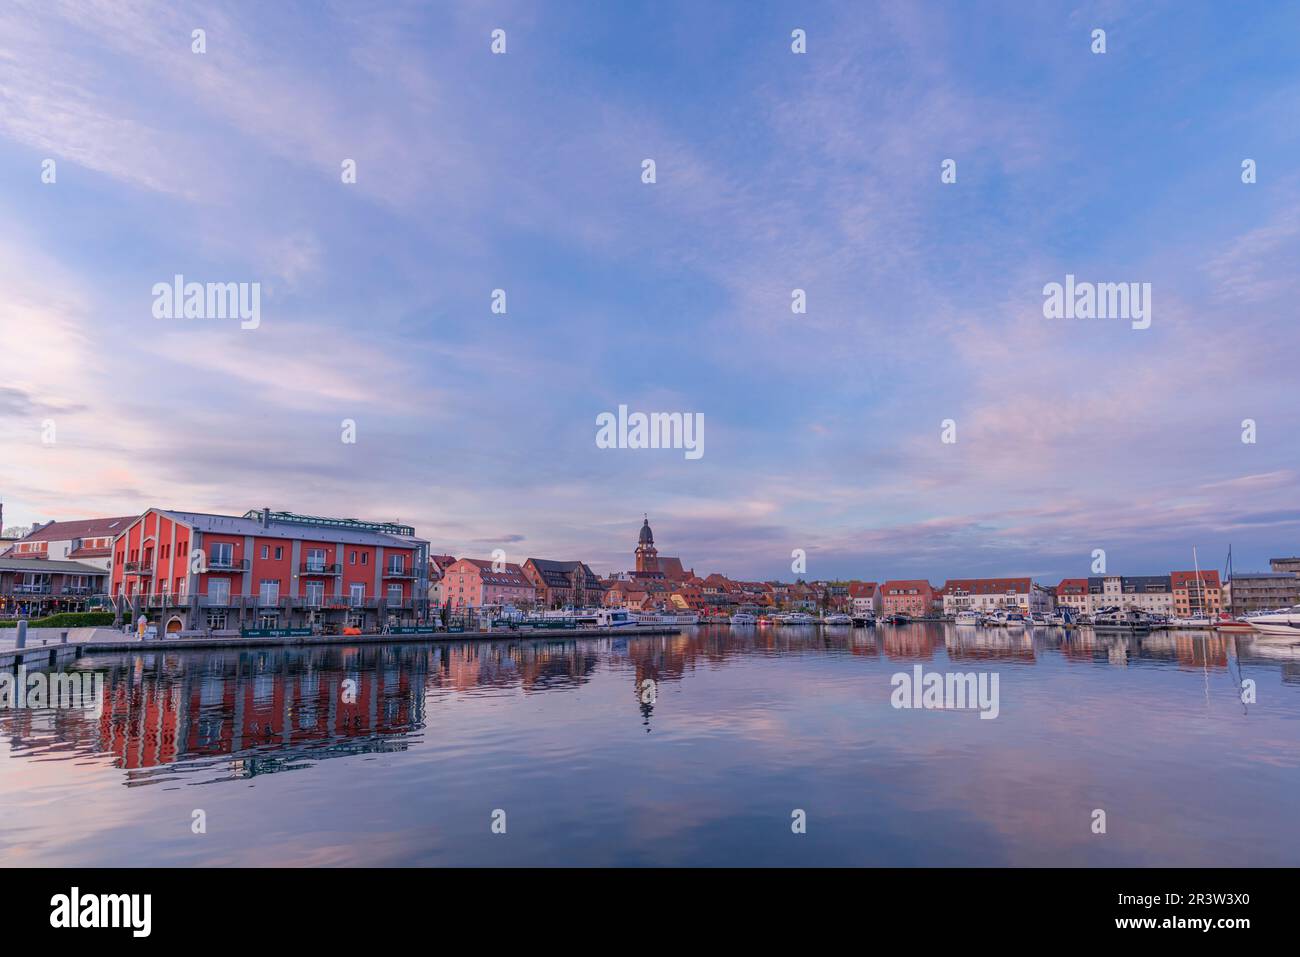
<point x="46" y="651"/>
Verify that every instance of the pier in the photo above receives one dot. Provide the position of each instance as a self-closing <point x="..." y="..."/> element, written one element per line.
<point x="52" y="653"/>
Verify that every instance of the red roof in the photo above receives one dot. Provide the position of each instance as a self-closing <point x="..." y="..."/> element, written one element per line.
<point x="862" y="589"/>
<point x="986" y="586"/>
<point x="512" y="574"/>
<point x="1072" y="586"/>
<point x="83" y="528"/>
<point x="1183" y="579"/>
<point x="906" y="584"/>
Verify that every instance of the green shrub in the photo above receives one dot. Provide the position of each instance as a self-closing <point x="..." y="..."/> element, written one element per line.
<point x="70" y="619"/>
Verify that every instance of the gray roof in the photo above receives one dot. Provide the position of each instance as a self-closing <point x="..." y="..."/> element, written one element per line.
<point x="48" y="566"/>
<point x="235" y="525"/>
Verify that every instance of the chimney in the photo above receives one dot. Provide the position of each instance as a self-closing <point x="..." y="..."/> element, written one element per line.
<point x="266" y="518"/>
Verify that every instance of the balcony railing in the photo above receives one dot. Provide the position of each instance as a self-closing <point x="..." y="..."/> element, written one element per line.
<point x="391" y="572"/>
<point x="228" y="564"/>
<point x="321" y="568"/>
<point x="32" y="590"/>
<point x="138" y="568"/>
<point x="78" y="590"/>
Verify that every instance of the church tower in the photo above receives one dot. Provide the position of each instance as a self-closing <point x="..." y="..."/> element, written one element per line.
<point x="647" y="556"/>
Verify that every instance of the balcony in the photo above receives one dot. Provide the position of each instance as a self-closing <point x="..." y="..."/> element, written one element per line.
<point x="320" y="568"/>
<point x="78" y="590"/>
<point x="32" y="590"/>
<point x="138" y="568"/>
<point x="226" y="564"/>
<point x="408" y="573"/>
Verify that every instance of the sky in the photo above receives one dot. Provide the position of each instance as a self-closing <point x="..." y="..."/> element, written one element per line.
<point x="774" y="171"/>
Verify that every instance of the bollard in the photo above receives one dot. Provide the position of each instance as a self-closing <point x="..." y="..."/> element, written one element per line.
<point x="20" y="640"/>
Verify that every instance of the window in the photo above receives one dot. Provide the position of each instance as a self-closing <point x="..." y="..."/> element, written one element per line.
<point x="394" y="594"/>
<point x="222" y="555"/>
<point x="356" y="593"/>
<point x="397" y="564"/>
<point x="269" y="593"/>
<point x="316" y="560"/>
<point x="365" y="558"/>
<point x="279" y="553"/>
<point x="218" y="592"/>
<point x="266" y="552"/>
<point x="315" y="593"/>
<point x="217" y="620"/>
<point x="180" y="588"/>
<point x="352" y="559"/>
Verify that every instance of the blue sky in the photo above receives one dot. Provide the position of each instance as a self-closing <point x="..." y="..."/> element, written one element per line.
<point x="775" y="171"/>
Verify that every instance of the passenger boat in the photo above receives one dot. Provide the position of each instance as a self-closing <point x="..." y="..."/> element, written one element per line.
<point x="665" y="618"/>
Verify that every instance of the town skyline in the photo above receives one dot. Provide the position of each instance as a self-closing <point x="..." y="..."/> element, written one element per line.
<point x="819" y="172"/>
<point x="607" y="561"/>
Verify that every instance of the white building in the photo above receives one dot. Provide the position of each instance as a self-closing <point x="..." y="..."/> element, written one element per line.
<point x="987" y="595"/>
<point x="88" y="541"/>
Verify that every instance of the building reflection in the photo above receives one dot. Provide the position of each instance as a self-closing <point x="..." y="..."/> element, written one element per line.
<point x="238" y="714"/>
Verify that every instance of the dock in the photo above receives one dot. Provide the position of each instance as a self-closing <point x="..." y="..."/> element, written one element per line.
<point x="51" y="654"/>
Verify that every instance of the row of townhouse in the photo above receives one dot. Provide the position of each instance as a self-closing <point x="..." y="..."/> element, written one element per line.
<point x="1178" y="594"/>
<point x="469" y="583"/>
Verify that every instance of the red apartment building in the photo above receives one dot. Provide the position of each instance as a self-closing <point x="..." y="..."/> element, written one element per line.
<point x="197" y="572"/>
<point x="913" y="597"/>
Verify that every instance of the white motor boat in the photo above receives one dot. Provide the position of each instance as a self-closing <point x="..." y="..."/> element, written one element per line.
<point x="1282" y="623"/>
<point x="838" y="619"/>
<point x="799" y="618"/>
<point x="744" y="619"/>
<point x="1195" y="621"/>
<point x="967" y="618"/>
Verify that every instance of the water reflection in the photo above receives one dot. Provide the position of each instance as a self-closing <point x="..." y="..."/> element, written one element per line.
<point x="245" y="713"/>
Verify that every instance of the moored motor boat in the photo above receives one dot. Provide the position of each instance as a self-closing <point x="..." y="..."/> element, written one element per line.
<point x="1284" y="622"/>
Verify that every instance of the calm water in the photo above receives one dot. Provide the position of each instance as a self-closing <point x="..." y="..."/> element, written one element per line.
<point x="685" y="750"/>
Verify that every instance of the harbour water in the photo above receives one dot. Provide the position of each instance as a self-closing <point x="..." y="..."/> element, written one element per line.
<point x="696" y="749"/>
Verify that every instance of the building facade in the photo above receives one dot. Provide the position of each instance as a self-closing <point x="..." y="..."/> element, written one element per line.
<point x="1249" y="592"/>
<point x="564" y="584"/>
<point x="1197" y="594"/>
<point x="36" y="587"/>
<point x="89" y="541"/>
<point x="197" y="572"/>
<point x="993" y="594"/>
<point x="915" y="597"/>
<point x="474" y="583"/>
